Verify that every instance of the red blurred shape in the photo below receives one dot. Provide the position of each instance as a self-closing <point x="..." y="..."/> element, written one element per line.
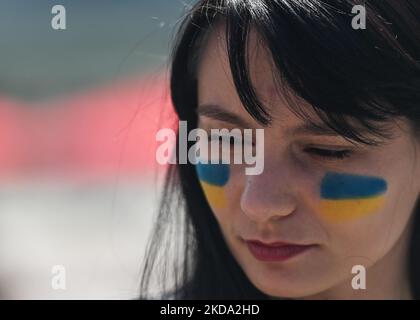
<point x="101" y="133"/>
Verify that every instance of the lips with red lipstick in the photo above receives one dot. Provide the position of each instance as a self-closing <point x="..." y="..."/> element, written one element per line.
<point x="275" y="251"/>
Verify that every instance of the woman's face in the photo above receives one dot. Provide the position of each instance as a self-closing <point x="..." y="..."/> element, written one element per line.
<point x="350" y="208"/>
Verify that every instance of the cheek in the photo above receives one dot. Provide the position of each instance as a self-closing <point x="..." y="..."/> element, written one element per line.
<point x="348" y="196"/>
<point x="213" y="178"/>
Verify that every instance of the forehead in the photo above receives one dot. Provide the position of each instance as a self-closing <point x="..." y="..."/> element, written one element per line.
<point x="214" y="66"/>
<point x="216" y="86"/>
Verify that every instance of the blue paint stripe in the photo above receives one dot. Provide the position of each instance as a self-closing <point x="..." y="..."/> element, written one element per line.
<point x="349" y="186"/>
<point x="214" y="174"/>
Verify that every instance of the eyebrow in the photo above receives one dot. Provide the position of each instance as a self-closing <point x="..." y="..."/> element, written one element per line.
<point x="312" y="129"/>
<point x="216" y="112"/>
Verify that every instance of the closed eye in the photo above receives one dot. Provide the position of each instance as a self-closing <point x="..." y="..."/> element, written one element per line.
<point x="231" y="139"/>
<point x="329" y="153"/>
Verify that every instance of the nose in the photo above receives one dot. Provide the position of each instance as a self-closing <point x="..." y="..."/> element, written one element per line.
<point x="270" y="195"/>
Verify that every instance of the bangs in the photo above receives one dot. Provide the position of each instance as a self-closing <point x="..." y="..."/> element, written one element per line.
<point x="357" y="82"/>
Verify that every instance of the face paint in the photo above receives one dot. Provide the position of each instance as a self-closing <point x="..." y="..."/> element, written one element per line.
<point x="348" y="196"/>
<point x="212" y="179"/>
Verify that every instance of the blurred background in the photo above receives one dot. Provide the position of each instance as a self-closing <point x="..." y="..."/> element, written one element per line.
<point x="79" y="110"/>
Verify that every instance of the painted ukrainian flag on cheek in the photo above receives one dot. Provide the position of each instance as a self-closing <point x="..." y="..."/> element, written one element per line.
<point x="348" y="196"/>
<point x="213" y="178"/>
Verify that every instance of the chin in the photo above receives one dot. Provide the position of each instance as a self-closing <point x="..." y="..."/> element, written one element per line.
<point x="285" y="290"/>
<point x="287" y="285"/>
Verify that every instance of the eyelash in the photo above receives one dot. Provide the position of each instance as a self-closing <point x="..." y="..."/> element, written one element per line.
<point x="330" y="154"/>
<point x="324" y="153"/>
<point x="231" y="141"/>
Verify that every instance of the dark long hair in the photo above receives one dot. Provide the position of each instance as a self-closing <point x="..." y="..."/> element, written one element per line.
<point x="371" y="76"/>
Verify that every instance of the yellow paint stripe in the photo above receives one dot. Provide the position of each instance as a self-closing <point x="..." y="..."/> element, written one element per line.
<point x="340" y="210"/>
<point x="215" y="195"/>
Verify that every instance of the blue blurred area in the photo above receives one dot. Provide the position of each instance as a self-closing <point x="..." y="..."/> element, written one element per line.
<point x="104" y="39"/>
